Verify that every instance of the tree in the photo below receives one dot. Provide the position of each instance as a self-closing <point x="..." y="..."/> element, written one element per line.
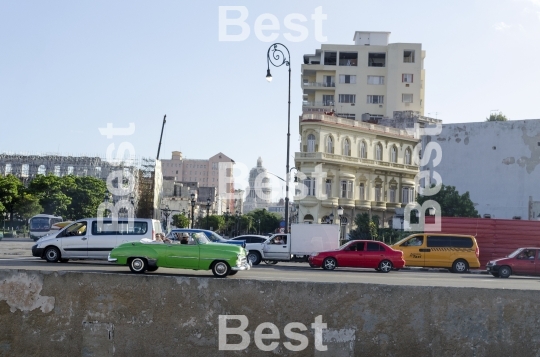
<point x="27" y="206"/>
<point x="452" y="203"/>
<point x="366" y="228"/>
<point x="180" y="221"/>
<point x="10" y="190"/>
<point x="51" y="190"/>
<point x="268" y="221"/>
<point x="86" y="195"/>
<point x="497" y="117"/>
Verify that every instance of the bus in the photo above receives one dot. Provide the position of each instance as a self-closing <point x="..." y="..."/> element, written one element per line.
<point x="40" y="225"/>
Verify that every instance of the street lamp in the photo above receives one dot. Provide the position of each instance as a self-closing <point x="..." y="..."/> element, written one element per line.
<point x="259" y="222"/>
<point x="280" y="59"/>
<point x="192" y="209"/>
<point x="207" y="212"/>
<point x="237" y="217"/>
<point x="166" y="213"/>
<point x="331" y="218"/>
<point x="227" y="221"/>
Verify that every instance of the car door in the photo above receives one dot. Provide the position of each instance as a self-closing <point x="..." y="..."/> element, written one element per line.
<point x="525" y="262"/>
<point x="437" y="251"/>
<point x="74" y="240"/>
<point x="183" y="256"/>
<point x="352" y="256"/>
<point x="413" y="251"/>
<point x="102" y="239"/>
<point x="275" y="251"/>
<point x="373" y="255"/>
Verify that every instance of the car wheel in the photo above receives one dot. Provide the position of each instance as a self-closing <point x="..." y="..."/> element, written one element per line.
<point x="233" y="272"/>
<point x="254" y="257"/>
<point x="138" y="265"/>
<point x="495" y="275"/>
<point x="505" y="271"/>
<point x="460" y="266"/>
<point x="270" y="262"/>
<point x="52" y="254"/>
<point x="62" y="260"/>
<point x="221" y="269"/>
<point x="385" y="266"/>
<point x="329" y="264"/>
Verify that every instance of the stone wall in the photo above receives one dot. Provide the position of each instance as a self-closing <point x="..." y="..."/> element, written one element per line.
<point x="117" y="314"/>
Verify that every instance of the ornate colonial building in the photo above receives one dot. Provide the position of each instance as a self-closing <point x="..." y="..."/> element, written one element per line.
<point x="259" y="193"/>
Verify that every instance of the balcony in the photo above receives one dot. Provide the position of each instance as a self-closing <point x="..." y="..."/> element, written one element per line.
<point x="344" y="160"/>
<point x="309" y="201"/>
<point x="378" y="205"/>
<point x="346" y="202"/>
<point x="330" y="202"/>
<point x="315" y="85"/>
<point x="393" y="205"/>
<point x="319" y="117"/>
<point x="362" y="204"/>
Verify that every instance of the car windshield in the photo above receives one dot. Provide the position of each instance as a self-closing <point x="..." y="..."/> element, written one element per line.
<point x="344" y="246"/>
<point x="403" y="240"/>
<point x="515" y="252"/>
<point x="201" y="238"/>
<point x="214" y="237"/>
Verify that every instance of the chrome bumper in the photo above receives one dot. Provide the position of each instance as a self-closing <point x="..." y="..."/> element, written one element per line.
<point x="112" y="260"/>
<point x="246" y="265"/>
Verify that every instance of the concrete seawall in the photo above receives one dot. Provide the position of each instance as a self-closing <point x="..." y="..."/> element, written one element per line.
<point x="94" y="314"/>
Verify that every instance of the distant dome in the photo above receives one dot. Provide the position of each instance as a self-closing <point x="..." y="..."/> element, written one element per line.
<point x="259" y="162"/>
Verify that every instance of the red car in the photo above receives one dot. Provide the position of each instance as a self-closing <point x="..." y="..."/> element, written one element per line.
<point x="359" y="254"/>
<point x="523" y="261"/>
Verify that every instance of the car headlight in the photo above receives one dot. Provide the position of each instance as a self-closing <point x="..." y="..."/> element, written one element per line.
<point x="314" y="254"/>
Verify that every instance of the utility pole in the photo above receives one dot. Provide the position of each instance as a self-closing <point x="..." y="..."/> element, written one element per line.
<point x="161" y="136"/>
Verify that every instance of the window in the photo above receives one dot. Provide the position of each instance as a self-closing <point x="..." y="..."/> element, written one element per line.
<point x="348" y="58"/>
<point x="378" y="193"/>
<point x="310" y="186"/>
<point x="375" y="79"/>
<point x="328" y="99"/>
<point x="311" y="143"/>
<point x="363" y="150"/>
<point x="408" y="157"/>
<point x="328" y="188"/>
<point x="329" y="145"/>
<point x="407" y="194"/>
<point x="408" y="56"/>
<point x="377" y="59"/>
<point x="407" y="78"/>
<point x="329" y="81"/>
<point x="406" y="98"/>
<point x="347" y="98"/>
<point x="393" y="194"/>
<point x="374" y="247"/>
<point x="346" y="189"/>
<point x="347" y="148"/>
<point x="345" y="78"/>
<point x="330" y="58"/>
<point x="393" y="154"/>
<point x="346" y="115"/>
<point x="362" y="192"/>
<point x="375" y="99"/>
<point x="378" y="152"/>
<point x="56" y="170"/>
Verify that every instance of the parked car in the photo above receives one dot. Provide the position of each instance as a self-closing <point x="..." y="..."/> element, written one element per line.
<point x="212" y="236"/>
<point x="359" y="254"/>
<point x="455" y="252"/>
<point x="254" y="245"/>
<point x="523" y="261"/>
<point x="199" y="253"/>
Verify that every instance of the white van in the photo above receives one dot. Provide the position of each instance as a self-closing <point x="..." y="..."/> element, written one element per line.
<point x="93" y="238"/>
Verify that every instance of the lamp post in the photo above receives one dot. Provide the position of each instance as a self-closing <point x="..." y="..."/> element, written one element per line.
<point x="277" y="59"/>
<point x="237" y="217"/>
<point x="166" y="212"/>
<point x="192" y="209"/>
<point x="106" y="199"/>
<point x="340" y="214"/>
<point x="259" y="230"/>
<point x="227" y="221"/>
<point x="207" y="212"/>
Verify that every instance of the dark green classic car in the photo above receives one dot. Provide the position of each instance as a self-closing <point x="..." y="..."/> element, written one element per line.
<point x="195" y="252"/>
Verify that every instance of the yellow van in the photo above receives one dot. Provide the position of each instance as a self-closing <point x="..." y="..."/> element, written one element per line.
<point x="456" y="252"/>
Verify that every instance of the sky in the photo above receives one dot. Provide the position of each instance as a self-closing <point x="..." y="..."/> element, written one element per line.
<point x="69" y="68"/>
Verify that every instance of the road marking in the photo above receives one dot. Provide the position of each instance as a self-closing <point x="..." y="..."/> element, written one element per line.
<point x="20" y="258"/>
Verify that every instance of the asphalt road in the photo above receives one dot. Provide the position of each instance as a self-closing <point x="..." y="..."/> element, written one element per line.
<point x="16" y="254"/>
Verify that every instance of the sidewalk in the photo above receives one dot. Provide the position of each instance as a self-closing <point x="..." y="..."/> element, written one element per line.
<point x="16" y="247"/>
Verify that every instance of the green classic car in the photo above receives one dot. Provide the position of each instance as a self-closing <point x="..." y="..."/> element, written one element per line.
<point x="195" y="252"/>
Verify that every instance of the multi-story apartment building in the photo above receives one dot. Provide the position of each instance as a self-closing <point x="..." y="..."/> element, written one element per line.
<point x="367" y="168"/>
<point x="370" y="79"/>
<point x="348" y="92"/>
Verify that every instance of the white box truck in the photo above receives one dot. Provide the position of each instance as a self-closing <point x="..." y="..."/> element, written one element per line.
<point x="303" y="240"/>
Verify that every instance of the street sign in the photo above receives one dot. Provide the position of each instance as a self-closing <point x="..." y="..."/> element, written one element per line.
<point x="282" y="230"/>
<point x="282" y="224"/>
<point x="344" y="221"/>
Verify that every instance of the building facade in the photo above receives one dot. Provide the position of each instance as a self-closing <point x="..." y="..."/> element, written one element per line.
<point x="498" y="163"/>
<point x="365" y="168"/>
<point x="370" y="79"/>
<point x="259" y="192"/>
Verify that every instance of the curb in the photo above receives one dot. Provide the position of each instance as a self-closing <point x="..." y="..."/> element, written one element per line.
<point x="443" y="270"/>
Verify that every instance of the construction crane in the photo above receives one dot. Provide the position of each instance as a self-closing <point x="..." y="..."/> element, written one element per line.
<point x="161" y="136"/>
